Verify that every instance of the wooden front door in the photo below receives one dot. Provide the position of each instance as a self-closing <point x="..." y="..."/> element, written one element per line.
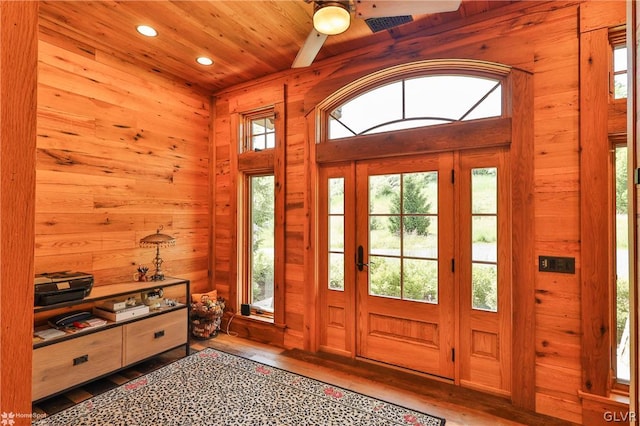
<point x="420" y="246"/>
<point x="404" y="253"/>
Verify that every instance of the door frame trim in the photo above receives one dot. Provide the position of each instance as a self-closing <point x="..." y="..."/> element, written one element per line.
<point x="521" y="134"/>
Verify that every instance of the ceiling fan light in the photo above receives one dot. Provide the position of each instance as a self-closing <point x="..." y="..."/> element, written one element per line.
<point x="331" y="17"/>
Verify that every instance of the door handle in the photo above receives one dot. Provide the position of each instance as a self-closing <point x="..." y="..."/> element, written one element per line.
<point x="360" y="259"/>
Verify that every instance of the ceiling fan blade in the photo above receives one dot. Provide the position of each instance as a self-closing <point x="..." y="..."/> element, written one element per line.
<point x="309" y="49"/>
<point x="382" y="8"/>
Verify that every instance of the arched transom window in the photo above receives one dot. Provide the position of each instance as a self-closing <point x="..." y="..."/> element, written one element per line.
<point x="417" y="102"/>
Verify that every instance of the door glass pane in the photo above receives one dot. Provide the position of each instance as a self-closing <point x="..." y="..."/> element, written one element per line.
<point x="336" y="196"/>
<point x="383" y="235"/>
<point x="420" y="280"/>
<point x="418" y="190"/>
<point x="484" y="197"/>
<point x="384" y="276"/>
<point x="484" y="234"/>
<point x="485" y="286"/>
<point x="384" y="194"/>
<point x="336" y="271"/>
<point x="403" y="236"/>
<point x="425" y="245"/>
<point x="336" y="233"/>
<point x="485" y="239"/>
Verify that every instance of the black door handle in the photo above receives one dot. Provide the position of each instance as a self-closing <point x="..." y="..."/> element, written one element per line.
<point x="359" y="263"/>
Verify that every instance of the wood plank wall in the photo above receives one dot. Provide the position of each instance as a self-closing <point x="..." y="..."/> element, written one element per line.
<point x="18" y="82"/>
<point x="539" y="38"/>
<point x="120" y="152"/>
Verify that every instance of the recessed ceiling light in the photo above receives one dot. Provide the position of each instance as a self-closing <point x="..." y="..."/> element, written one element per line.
<point x="202" y="60"/>
<point x="147" y="30"/>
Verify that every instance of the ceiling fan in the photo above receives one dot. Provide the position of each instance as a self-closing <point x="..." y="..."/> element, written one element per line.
<point x="334" y="17"/>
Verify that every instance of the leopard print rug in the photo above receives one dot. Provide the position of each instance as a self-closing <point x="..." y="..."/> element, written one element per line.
<point x="216" y="388"/>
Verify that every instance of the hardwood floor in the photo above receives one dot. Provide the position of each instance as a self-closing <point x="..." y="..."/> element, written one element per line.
<point x="457" y="405"/>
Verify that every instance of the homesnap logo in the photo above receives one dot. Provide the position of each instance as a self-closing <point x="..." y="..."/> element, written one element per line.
<point x="7" y="419"/>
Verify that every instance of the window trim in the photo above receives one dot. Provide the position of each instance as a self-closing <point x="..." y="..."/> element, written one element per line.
<point x="616" y="385"/>
<point x="518" y="134"/>
<point x="486" y="132"/>
<point x="252" y="163"/>
<point x="246" y="133"/>
<point x="617" y="39"/>
<point x="246" y="248"/>
<point x="362" y="85"/>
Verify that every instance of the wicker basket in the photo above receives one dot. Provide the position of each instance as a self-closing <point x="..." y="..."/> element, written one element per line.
<point x="206" y="317"/>
<point x="204" y="328"/>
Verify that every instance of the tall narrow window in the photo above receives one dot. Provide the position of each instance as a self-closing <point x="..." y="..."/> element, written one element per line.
<point x="484" y="231"/>
<point x="336" y="234"/>
<point x="621" y="288"/>
<point x="260" y="230"/>
<point x="261" y="255"/>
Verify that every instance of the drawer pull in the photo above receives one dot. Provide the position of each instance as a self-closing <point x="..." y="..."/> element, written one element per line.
<point x="80" y="360"/>
<point x="158" y="334"/>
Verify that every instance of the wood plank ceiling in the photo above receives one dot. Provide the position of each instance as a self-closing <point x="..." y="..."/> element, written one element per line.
<point x="246" y="39"/>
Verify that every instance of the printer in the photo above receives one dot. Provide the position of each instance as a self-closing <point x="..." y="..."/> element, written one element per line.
<point x="58" y="287"/>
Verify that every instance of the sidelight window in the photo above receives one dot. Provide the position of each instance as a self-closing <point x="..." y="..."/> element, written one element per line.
<point x="484" y="231"/>
<point x="336" y="234"/>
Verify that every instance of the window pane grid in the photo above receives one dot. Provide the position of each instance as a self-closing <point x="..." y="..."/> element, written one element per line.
<point x="417" y="102"/>
<point x="261" y="133"/>
<point x="336" y="234"/>
<point x="484" y="239"/>
<point x="403" y="233"/>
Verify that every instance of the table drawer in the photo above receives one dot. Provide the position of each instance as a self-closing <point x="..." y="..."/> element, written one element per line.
<point x="71" y="362"/>
<point x="157" y="334"/>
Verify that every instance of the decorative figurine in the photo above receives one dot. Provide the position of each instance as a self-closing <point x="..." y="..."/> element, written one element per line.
<point x="141" y="275"/>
